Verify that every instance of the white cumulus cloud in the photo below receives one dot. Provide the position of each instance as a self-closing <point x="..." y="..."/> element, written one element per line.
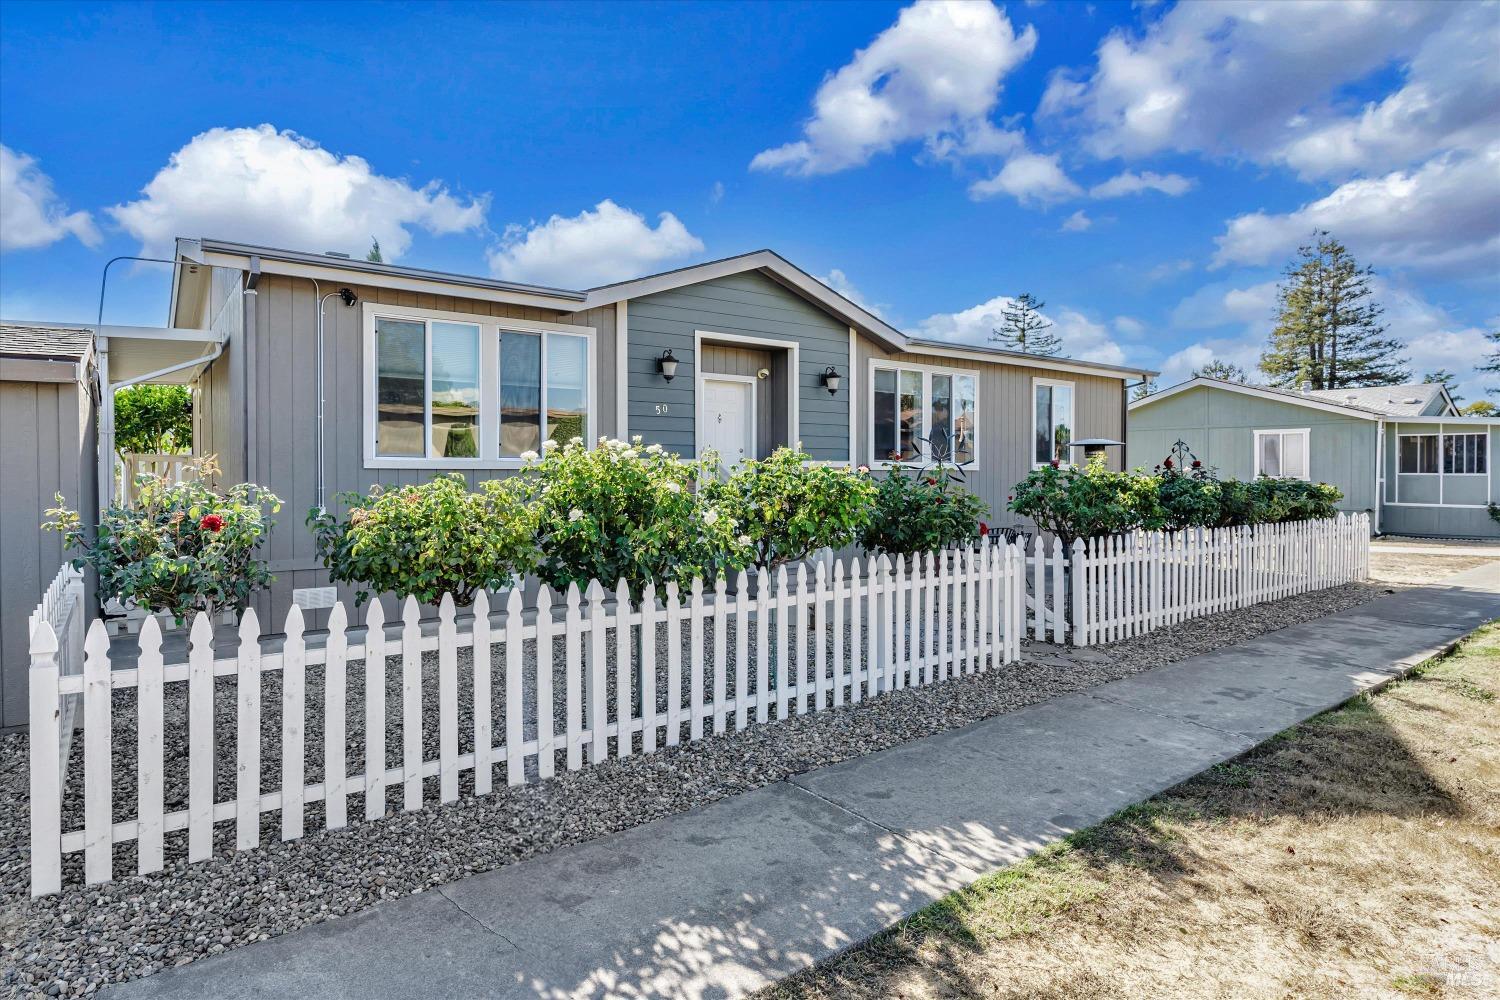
<point x="261" y="185"/>
<point x="1031" y="179"/>
<point x="31" y="214"/>
<point x="839" y="282"/>
<point x="1443" y="216"/>
<point x="595" y="247"/>
<point x="934" y="76"/>
<point x="1128" y="183"/>
<point x="1077" y="222"/>
<point x="1082" y="338"/>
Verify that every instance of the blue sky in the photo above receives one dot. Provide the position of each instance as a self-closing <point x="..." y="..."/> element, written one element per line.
<point x="1145" y="169"/>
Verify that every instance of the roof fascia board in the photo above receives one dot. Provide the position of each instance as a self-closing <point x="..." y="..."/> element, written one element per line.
<point x="332" y="272"/>
<point x="1250" y="390"/>
<point x="178" y="333"/>
<point x="1051" y="364"/>
<point x="16" y="368"/>
<point x="1460" y="420"/>
<point x="777" y="267"/>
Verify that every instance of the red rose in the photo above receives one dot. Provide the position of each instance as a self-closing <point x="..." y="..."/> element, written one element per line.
<point x="984" y="529"/>
<point x="1011" y="497"/>
<point x="211" y="522"/>
<point x="1197" y="464"/>
<point x="1167" y="463"/>
<point x="1057" y="463"/>
<point x="931" y="481"/>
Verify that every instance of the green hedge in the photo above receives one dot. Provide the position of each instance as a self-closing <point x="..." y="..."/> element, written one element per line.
<point x="1093" y="501"/>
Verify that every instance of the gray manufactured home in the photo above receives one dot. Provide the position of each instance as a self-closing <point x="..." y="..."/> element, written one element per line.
<point x="1401" y="453"/>
<point x="424" y="372"/>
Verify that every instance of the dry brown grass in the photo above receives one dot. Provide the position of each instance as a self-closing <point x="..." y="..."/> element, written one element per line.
<point x="1416" y="568"/>
<point x="1355" y="855"/>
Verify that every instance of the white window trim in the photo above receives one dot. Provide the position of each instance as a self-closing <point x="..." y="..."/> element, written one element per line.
<point x="1305" y="433"/>
<point x="1072" y="420"/>
<point x="889" y="364"/>
<point x="1424" y="434"/>
<point x="1442" y="450"/>
<point x="490" y="329"/>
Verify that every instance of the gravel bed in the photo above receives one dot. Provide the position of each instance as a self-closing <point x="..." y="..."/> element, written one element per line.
<point x="71" y="943"/>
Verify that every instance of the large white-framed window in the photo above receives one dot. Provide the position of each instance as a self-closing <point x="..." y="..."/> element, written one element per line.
<point x="1051" y="421"/>
<point x="453" y="390"/>
<point x="1417" y="454"/>
<point x="1283" y="454"/>
<point x="921" y="413"/>
<point x="1466" y="454"/>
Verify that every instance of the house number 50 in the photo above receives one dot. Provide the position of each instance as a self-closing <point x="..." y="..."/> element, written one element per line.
<point x="663" y="408"/>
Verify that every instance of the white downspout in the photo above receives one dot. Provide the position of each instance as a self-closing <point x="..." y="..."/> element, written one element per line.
<point x="1379" y="471"/>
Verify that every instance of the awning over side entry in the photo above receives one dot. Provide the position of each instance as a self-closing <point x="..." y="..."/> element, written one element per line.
<point x="163" y="355"/>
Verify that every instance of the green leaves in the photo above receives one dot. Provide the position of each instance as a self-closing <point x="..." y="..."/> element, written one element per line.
<point x="160" y="555"/>
<point x="1093" y="501"/>
<point x="921" y="512"/>
<point x="790" y="509"/>
<point x="154" y="419"/>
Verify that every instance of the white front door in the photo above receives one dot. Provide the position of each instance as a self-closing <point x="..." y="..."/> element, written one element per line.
<point x="726" y="419"/>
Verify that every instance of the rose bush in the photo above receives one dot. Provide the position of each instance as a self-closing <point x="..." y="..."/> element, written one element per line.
<point x="788" y="509"/>
<point x="923" y="511"/>
<point x="428" y="540"/>
<point x="180" y="548"/>
<point x="626" y="512"/>
<point x="1092" y="501"/>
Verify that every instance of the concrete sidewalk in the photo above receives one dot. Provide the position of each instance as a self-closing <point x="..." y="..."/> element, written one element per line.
<point x="722" y="900"/>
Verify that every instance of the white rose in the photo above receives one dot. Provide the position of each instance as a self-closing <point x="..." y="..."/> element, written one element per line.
<point x="744" y="539"/>
<point x="711" y="518"/>
<point x="549" y="444"/>
<point x="575" y="514"/>
<point x="653" y="449"/>
<point x="575" y="440"/>
<point x="673" y="488"/>
<point x="631" y="453"/>
<point x="636" y="439"/>
<point x="529" y="456"/>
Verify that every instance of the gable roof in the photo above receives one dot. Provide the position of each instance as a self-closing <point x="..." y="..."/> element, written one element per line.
<point x="1394" y="400"/>
<point x="45" y="341"/>
<point x="1367" y="403"/>
<point x="334" y="268"/>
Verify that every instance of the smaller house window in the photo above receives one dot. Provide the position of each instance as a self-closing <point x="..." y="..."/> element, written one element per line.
<point x="1052" y="421"/>
<point x="1465" y="454"/>
<point x="1282" y="454"/>
<point x="1417" y="454"/>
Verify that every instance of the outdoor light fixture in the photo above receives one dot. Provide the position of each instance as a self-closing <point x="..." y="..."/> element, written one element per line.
<point x="831" y="380"/>
<point x="667" y="365"/>
<point x="348" y="296"/>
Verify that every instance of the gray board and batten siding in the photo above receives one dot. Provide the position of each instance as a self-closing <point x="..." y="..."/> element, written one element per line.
<point x="748" y="305"/>
<point x="1219" y="426"/>
<point x="276" y="370"/>
<point x="1004" y="423"/>
<point x="47" y="447"/>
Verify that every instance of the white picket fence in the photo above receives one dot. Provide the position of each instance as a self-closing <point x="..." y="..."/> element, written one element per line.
<point x="954" y="613"/>
<point x="1128" y="585"/>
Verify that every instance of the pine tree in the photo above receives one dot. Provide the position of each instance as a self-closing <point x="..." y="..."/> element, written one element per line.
<point x="1447" y="380"/>
<point x="1023" y="328"/>
<point x="1492" y="363"/>
<point x="1328" y="331"/>
<point x="374" y="255"/>
<point x="1143" y="389"/>
<point x="1224" y="371"/>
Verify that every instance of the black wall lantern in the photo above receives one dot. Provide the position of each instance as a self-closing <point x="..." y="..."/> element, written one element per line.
<point x="831" y="380"/>
<point x="667" y="365"/>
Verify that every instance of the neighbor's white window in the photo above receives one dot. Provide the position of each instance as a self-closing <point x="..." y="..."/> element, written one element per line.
<point x="1282" y="454"/>
<point x="1051" y="420"/>
<point x="450" y="393"/>
<point x="924" y="414"/>
<point x="1466" y="454"/>
<point x="1417" y="454"/>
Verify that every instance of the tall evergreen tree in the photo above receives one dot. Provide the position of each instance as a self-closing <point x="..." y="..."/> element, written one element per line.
<point x="1023" y="327"/>
<point x="1447" y="380"/>
<point x="1328" y="331"/>
<point x="1143" y="389"/>
<point x="1225" y="371"/>
<point x="1492" y="363"/>
<point x="374" y="255"/>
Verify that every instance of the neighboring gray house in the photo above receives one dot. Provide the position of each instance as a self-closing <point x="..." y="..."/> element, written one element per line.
<point x="47" y="440"/>
<point x="1402" y="452"/>
<point x="424" y="372"/>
